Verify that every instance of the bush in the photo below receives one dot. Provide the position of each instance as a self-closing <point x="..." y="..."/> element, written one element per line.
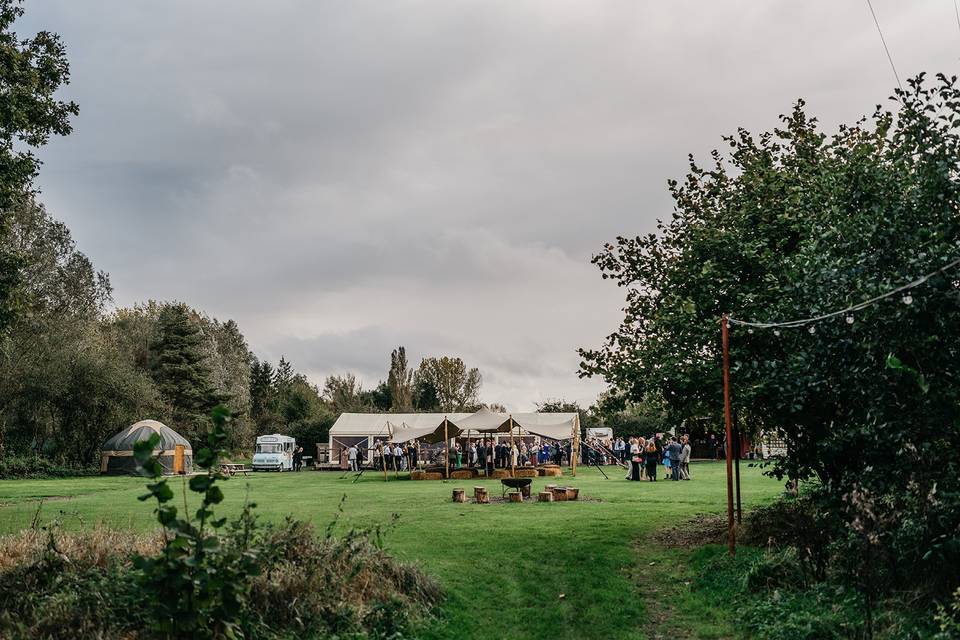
<point x="777" y="570"/>
<point x="37" y="467"/>
<point x="68" y="585"/>
<point x="793" y="522"/>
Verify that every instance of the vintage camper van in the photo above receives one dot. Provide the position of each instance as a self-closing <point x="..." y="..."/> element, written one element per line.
<point x="274" y="453"/>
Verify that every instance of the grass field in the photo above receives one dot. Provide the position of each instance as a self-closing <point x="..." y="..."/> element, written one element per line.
<point x="564" y="570"/>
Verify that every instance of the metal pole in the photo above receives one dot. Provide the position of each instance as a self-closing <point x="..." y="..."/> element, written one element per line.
<point x="736" y="469"/>
<point x="575" y="447"/>
<point x="513" y="465"/>
<point x="446" y="448"/>
<point x="731" y="535"/>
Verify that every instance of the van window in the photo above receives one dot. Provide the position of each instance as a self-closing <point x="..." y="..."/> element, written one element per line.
<point x="268" y="448"/>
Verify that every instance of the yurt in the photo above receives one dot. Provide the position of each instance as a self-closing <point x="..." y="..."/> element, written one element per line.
<point x="174" y="451"/>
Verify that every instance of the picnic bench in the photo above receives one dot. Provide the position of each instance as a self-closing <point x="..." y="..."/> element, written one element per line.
<point x="232" y="469"/>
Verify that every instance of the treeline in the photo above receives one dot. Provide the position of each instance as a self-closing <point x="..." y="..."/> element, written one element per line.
<point x="73" y="372"/>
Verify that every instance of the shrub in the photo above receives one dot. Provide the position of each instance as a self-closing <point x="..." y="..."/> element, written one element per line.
<point x="777" y="570"/>
<point x="37" y="467"/>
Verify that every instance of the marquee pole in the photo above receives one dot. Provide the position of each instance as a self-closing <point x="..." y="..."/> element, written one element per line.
<point x="575" y="447"/>
<point x="513" y="465"/>
<point x="731" y="535"/>
<point x="446" y="448"/>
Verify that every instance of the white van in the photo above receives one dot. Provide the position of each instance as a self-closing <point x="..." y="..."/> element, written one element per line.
<point x="274" y="453"/>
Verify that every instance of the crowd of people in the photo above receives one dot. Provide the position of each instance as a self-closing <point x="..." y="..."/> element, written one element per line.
<point x="643" y="456"/>
<point x="640" y="456"/>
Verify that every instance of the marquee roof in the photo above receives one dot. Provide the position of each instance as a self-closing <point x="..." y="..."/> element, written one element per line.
<point x="401" y="427"/>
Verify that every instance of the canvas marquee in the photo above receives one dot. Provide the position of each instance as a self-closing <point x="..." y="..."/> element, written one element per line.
<point x="429" y="427"/>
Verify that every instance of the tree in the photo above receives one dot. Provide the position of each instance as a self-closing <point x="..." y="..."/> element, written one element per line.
<point x="400" y="381"/>
<point x="380" y="397"/>
<point x="180" y="370"/>
<point x="457" y="388"/>
<point x="345" y="394"/>
<point x="262" y="396"/>
<point x="283" y="375"/>
<point x="792" y="224"/>
<point x="34" y="69"/>
<point x="424" y="395"/>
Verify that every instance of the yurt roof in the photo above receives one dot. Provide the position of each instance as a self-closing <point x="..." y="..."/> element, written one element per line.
<point x="142" y="430"/>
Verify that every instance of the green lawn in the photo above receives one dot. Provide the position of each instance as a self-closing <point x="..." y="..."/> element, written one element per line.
<point x="563" y="570"/>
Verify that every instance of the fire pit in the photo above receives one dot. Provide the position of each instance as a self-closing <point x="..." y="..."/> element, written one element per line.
<point x="517" y="483"/>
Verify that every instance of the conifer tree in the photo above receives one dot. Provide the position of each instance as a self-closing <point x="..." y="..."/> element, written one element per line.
<point x="180" y="370"/>
<point x="262" y="395"/>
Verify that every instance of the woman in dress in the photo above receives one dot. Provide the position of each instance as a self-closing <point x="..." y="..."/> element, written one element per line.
<point x="652" y="460"/>
<point x="634" y="460"/>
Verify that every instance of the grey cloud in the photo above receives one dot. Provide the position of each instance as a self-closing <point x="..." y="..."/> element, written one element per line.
<point x="291" y="164"/>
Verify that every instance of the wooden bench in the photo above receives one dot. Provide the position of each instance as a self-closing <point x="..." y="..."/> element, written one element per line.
<point x="231" y="469"/>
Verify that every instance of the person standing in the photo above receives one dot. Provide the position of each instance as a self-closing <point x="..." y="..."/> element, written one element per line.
<point x="634" y="460"/>
<point x="352" y="457"/>
<point x="652" y="459"/>
<point x="685" y="459"/>
<point x="388" y="456"/>
<point x="674" y="451"/>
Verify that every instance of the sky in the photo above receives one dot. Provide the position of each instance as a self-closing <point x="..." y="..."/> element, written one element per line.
<point x="344" y="176"/>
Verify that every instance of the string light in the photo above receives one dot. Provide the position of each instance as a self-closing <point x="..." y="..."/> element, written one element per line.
<point x="800" y="322"/>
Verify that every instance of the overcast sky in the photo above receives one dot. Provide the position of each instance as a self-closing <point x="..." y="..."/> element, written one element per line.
<point x="342" y="176"/>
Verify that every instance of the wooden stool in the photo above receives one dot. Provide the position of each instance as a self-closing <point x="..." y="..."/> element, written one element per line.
<point x="515" y="496"/>
<point x="480" y="495"/>
<point x="572" y="493"/>
<point x="459" y="495"/>
<point x="545" y="496"/>
<point x="559" y="494"/>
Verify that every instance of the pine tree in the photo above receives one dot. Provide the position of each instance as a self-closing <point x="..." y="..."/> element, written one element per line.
<point x="180" y="370"/>
<point x="283" y="376"/>
<point x="262" y="396"/>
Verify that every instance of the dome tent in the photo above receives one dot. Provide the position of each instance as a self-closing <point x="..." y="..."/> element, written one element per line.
<point x="116" y="455"/>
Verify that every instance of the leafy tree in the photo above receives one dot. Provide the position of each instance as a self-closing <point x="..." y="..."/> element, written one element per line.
<point x="791" y="224"/>
<point x="345" y="394"/>
<point x="425" y="395"/>
<point x="400" y="381"/>
<point x="457" y="388"/>
<point x="180" y="369"/>
<point x="33" y="71"/>
<point x="380" y="397"/>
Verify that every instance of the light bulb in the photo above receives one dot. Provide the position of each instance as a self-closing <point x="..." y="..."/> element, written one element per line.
<point x="750" y="331"/>
<point x="908" y="299"/>
<point x="812" y="329"/>
<point x="776" y="332"/>
<point x="849" y="319"/>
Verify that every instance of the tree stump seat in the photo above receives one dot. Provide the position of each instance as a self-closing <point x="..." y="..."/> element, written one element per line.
<point x="545" y="496"/>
